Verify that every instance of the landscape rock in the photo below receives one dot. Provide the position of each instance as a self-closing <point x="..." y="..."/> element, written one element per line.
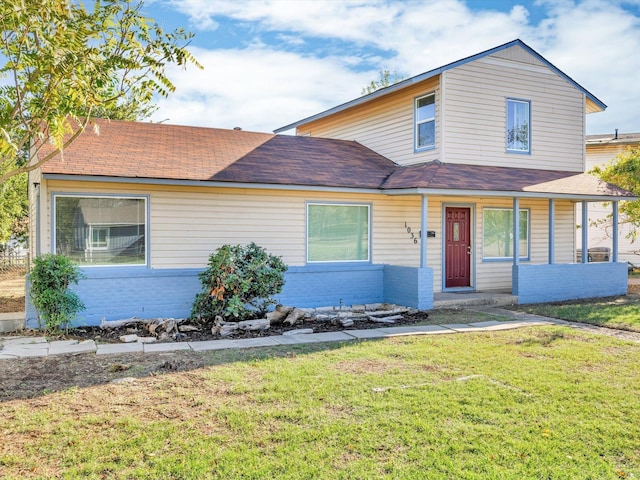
<point x="228" y="329"/>
<point x="294" y="317"/>
<point x="279" y="314"/>
<point x="299" y="331"/>
<point x="260" y="324"/>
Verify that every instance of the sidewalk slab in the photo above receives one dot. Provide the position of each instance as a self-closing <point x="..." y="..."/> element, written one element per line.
<point x="291" y="339"/>
<point x="23" y="351"/>
<point x="328" y="337"/>
<point x="461" y="327"/>
<point x="205" y="345"/>
<point x="108" y="348"/>
<point x="366" y="333"/>
<point x="23" y="340"/>
<point x="72" y="347"/>
<point x="255" y="342"/>
<point x="165" y="347"/>
<point x="431" y="330"/>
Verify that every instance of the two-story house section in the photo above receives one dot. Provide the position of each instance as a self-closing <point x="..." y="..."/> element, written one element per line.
<point x="462" y="179"/>
<point x="482" y="138"/>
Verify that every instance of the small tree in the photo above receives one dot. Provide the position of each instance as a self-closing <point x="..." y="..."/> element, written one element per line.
<point x="624" y="171"/>
<point x="50" y="280"/>
<point x="238" y="283"/>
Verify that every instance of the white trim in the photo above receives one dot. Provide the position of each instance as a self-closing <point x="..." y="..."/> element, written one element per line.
<point x="307" y="188"/>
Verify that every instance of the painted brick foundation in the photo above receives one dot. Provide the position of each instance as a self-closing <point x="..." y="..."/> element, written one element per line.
<point x="558" y="282"/>
<point x="409" y="286"/>
<point x="117" y="293"/>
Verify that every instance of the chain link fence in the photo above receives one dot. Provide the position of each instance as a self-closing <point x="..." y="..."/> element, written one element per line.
<point x="14" y="265"/>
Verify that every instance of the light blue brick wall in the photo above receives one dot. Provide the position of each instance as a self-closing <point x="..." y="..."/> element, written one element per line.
<point x="558" y="282"/>
<point x="409" y="286"/>
<point x="323" y="285"/>
<point x="118" y="293"/>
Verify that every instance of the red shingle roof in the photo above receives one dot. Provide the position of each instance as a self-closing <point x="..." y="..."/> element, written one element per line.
<point x="159" y="151"/>
<point x="154" y="150"/>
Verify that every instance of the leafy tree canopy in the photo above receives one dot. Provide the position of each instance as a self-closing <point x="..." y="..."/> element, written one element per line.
<point x="624" y="171"/>
<point x="62" y="64"/>
<point x="385" y="79"/>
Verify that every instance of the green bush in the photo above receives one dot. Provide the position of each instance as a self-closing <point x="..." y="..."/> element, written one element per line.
<point x="238" y="283"/>
<point x="50" y="280"/>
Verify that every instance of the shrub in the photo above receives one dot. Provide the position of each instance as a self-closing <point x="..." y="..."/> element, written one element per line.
<point x="50" y="280"/>
<point x="238" y="283"/>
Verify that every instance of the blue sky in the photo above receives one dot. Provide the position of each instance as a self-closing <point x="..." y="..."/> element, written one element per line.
<point x="269" y="63"/>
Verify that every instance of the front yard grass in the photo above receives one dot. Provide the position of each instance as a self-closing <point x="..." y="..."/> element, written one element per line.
<point x="622" y="312"/>
<point x="544" y="402"/>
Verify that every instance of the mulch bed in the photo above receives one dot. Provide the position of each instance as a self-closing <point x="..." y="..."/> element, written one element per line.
<point x="113" y="335"/>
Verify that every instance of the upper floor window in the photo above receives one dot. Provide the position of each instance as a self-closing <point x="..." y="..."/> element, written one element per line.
<point x="518" y="126"/>
<point x="425" y="116"/>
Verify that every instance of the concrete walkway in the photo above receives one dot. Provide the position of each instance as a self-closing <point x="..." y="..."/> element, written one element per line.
<point x="21" y="347"/>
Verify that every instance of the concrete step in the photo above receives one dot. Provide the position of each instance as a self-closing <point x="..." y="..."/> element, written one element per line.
<point x="464" y="300"/>
<point x="12" y="322"/>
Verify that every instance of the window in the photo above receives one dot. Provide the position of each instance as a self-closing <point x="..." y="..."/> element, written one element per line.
<point x="497" y="233"/>
<point x="101" y="230"/>
<point x="425" y="116"/>
<point x="518" y="126"/>
<point x="99" y="237"/>
<point x="337" y="232"/>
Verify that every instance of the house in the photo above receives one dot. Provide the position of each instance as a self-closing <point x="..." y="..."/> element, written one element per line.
<point x="601" y="149"/>
<point x="464" y="178"/>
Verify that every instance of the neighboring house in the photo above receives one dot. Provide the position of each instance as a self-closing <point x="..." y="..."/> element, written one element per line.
<point x="601" y="150"/>
<point x="416" y="192"/>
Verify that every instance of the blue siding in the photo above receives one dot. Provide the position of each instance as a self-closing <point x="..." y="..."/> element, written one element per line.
<point x="558" y="282"/>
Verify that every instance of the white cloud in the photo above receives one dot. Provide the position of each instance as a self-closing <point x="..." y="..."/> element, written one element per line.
<point x="260" y="88"/>
<point x="257" y="89"/>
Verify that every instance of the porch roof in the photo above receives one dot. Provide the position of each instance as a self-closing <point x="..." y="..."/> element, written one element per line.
<point x="479" y="178"/>
<point x="159" y="153"/>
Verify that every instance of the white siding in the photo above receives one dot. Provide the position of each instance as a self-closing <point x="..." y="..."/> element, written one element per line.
<point x="475" y="115"/>
<point x="385" y="125"/>
<point x="187" y="224"/>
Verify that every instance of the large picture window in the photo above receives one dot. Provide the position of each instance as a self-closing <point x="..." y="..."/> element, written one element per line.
<point x="101" y="230"/>
<point x="425" y="116"/>
<point x="518" y="126"/>
<point x="337" y="232"/>
<point x="497" y="233"/>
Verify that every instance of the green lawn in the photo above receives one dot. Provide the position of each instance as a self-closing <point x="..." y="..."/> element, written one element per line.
<point x="544" y="402"/>
<point x="622" y="313"/>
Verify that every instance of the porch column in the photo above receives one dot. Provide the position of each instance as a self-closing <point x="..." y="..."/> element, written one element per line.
<point x="516" y="246"/>
<point x="423" y="231"/>
<point x="552" y="230"/>
<point x="585" y="231"/>
<point x="614" y="225"/>
<point x="516" y="231"/>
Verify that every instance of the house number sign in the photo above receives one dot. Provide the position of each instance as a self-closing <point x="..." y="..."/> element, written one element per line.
<point x="414" y="236"/>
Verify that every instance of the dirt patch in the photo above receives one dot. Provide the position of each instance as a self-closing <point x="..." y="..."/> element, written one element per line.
<point x="12" y="290"/>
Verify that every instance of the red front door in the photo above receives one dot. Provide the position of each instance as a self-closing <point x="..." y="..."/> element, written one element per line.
<point x="458" y="247"/>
